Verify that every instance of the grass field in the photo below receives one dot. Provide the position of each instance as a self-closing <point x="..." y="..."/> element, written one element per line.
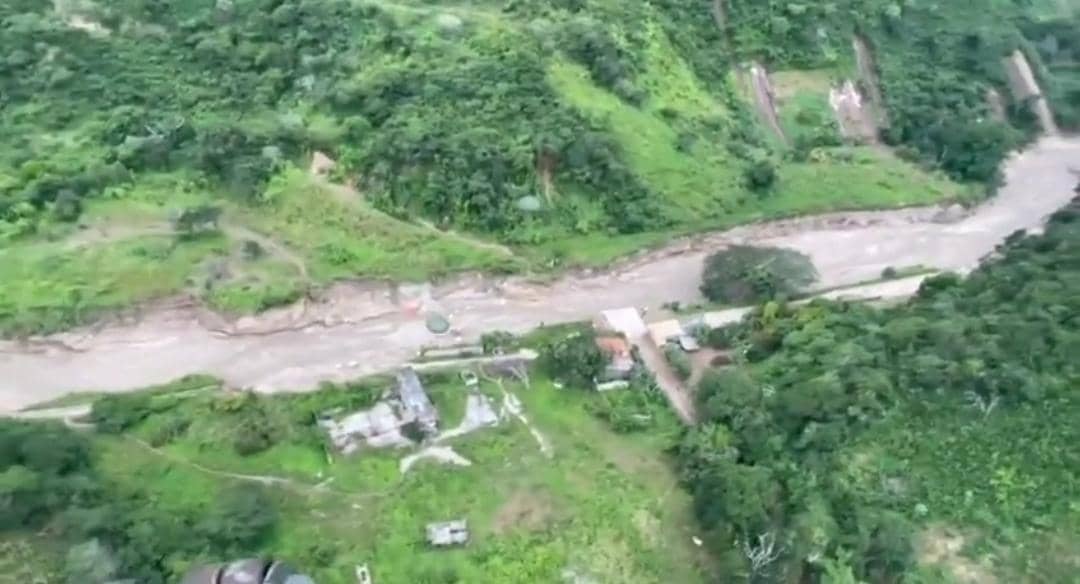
<point x="50" y="286"/>
<point x="603" y="505"/>
<point x="694" y="183"/>
<point x="125" y="253"/>
<point x="341" y="240"/>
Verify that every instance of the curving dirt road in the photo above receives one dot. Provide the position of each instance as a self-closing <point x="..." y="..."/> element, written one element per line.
<point x="364" y="328"/>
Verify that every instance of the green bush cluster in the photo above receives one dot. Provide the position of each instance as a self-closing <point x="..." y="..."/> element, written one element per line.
<point x="574" y="359"/>
<point x="48" y="477"/>
<point x="439" y="125"/>
<point x="679" y="360"/>
<point x="741" y="274"/>
<point x="115" y="413"/>
<point x="813" y="444"/>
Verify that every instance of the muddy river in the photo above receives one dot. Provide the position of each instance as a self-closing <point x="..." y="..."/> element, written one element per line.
<point x="364" y="328"/>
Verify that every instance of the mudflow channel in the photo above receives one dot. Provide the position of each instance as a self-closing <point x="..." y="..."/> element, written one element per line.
<point x="361" y="329"/>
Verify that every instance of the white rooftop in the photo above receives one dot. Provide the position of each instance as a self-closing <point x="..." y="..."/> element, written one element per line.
<point x="626" y="321"/>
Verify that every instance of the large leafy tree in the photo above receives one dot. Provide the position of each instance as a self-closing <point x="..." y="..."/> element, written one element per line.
<point x="742" y="274"/>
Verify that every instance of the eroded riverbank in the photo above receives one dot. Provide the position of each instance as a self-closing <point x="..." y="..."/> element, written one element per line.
<point x="364" y="328"/>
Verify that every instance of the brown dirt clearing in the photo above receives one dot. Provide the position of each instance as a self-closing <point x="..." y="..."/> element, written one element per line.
<point x="940" y="545"/>
<point x="526" y="510"/>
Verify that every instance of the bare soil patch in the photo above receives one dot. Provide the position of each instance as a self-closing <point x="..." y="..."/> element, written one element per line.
<point x="940" y="545"/>
<point x="526" y="510"/>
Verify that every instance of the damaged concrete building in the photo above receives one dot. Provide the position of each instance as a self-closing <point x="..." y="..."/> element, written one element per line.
<point x="416" y="402"/>
<point x="381" y="425"/>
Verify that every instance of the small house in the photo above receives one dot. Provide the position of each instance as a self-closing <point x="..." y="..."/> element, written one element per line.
<point x="448" y="533"/>
<point x="624" y="321"/>
<point x="378" y="427"/>
<point x="620" y="358"/>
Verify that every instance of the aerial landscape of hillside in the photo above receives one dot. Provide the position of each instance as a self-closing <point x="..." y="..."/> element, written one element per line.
<point x="583" y="291"/>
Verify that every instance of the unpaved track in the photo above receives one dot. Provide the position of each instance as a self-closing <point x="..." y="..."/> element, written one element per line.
<point x="364" y="326"/>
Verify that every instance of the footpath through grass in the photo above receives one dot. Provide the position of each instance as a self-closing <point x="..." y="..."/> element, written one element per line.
<point x="604" y="505"/>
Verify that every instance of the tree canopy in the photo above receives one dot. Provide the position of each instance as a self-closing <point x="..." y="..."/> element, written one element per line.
<point x="807" y="452"/>
<point x="741" y="274"/>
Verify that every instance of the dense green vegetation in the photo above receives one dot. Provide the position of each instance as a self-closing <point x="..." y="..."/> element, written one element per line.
<point x="49" y="478"/>
<point x="744" y="274"/>
<point x="935" y="62"/>
<point x="926" y="442"/>
<point x="151" y="497"/>
<point x="571" y="131"/>
<point x="851" y="438"/>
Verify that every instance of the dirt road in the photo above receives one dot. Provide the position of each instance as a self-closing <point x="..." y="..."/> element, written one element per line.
<point x="359" y="329"/>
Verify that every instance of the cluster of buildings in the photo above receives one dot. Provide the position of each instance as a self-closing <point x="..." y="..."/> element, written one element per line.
<point x="619" y="330"/>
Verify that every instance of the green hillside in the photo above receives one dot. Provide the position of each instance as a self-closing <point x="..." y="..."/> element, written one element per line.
<point x="493" y="136"/>
<point x="930" y="442"/>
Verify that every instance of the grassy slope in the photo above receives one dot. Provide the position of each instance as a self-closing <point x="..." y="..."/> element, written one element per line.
<point x="340" y="240"/>
<point x="126" y="254"/>
<point x="702" y="186"/>
<point x="604" y="505"/>
<point x="50" y="286"/>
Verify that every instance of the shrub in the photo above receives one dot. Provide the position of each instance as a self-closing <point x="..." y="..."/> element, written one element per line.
<point x="679" y="361"/>
<point x="251" y="250"/>
<point x="171" y="429"/>
<point x="254" y="430"/>
<point x="242" y="517"/>
<point x="574" y="359"/>
<point x="249" y="440"/>
<point x="115" y="413"/>
<point x="498" y="342"/>
<point x="722" y="337"/>
<point x="760" y="175"/>
<point x="413" y="432"/>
